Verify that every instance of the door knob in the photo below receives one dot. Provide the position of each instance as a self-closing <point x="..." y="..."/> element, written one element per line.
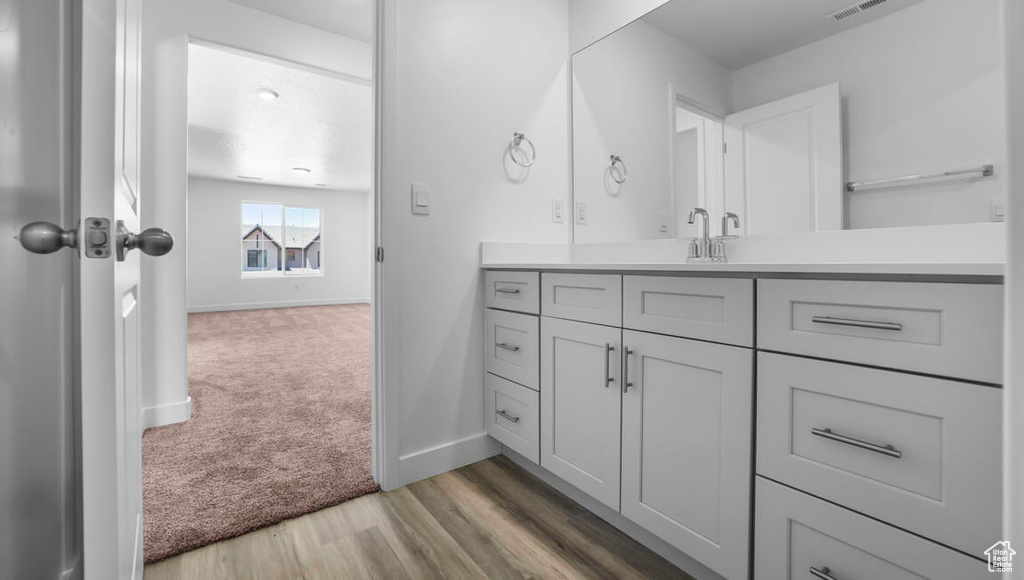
<point x="152" y="242"/>
<point x="47" y="238"/>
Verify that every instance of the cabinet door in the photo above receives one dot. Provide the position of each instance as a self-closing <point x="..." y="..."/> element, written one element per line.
<point x="686" y="446"/>
<point x="581" y="403"/>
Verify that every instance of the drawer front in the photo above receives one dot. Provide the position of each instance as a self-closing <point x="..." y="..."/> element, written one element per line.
<point x="921" y="453"/>
<point x="795" y="532"/>
<point x="715" y="309"/>
<point x="512" y="414"/>
<point x="518" y="291"/>
<point x="593" y="298"/>
<point x="512" y="347"/>
<point x="952" y="330"/>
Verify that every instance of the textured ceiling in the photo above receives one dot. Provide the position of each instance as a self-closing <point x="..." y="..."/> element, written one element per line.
<point x="739" y="33"/>
<point x="351" y="18"/>
<point x="319" y="122"/>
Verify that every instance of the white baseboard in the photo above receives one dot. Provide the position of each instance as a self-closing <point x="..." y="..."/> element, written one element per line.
<point x="444" y="458"/>
<point x="167" y="414"/>
<point x="268" y="305"/>
<point x="626" y="526"/>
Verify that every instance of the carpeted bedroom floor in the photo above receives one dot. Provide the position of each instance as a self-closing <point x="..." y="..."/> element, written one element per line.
<point x="280" y="426"/>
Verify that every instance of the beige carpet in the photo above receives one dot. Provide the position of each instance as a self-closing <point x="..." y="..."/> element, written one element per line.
<point x="280" y="426"/>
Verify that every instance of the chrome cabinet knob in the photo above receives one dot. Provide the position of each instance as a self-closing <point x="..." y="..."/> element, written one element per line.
<point x="47" y="238"/>
<point x="152" y="242"/>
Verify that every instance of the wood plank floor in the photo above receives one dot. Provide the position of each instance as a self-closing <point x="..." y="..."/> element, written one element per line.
<point x="487" y="520"/>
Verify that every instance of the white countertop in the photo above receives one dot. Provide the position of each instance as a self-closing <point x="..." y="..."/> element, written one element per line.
<point x="895" y="268"/>
<point x="955" y="250"/>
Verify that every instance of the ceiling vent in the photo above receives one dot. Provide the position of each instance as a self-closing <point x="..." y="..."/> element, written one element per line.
<point x="855" y="9"/>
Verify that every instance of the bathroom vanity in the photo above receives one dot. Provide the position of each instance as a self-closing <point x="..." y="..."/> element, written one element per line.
<point x="828" y="403"/>
<point x="767" y="423"/>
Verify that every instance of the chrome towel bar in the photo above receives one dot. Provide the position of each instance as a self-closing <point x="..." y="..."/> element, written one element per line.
<point x="983" y="171"/>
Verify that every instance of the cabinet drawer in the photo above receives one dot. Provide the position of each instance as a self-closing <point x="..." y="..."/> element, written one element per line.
<point x="593" y="298"/>
<point x="952" y="330"/>
<point x="795" y="532"/>
<point x="513" y="416"/>
<point x="921" y="453"/>
<point x="715" y="309"/>
<point x="512" y="347"/>
<point x="519" y="291"/>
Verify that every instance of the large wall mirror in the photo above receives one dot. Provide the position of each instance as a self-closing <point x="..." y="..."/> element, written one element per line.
<point x="796" y="115"/>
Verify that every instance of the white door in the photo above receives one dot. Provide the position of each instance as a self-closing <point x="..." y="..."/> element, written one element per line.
<point x="686" y="446"/>
<point x="109" y="290"/>
<point x="784" y="164"/>
<point x="581" y="405"/>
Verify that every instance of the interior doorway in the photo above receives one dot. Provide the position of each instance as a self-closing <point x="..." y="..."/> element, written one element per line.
<point x="280" y="237"/>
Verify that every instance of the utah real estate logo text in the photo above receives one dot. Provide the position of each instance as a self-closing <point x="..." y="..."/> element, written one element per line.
<point x="1000" y="557"/>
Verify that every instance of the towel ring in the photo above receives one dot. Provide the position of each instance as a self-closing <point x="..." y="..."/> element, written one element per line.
<point x="616" y="160"/>
<point x="517" y="141"/>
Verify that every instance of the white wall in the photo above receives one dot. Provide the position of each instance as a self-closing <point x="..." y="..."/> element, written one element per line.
<point x="1013" y="387"/>
<point x="215" y="281"/>
<point x="460" y="77"/>
<point x="923" y="91"/>
<point x="168" y="25"/>
<point x="591" y="20"/>
<point x="631" y="71"/>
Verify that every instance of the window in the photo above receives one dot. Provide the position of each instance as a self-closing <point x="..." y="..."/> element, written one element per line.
<point x="257" y="259"/>
<point x="280" y="240"/>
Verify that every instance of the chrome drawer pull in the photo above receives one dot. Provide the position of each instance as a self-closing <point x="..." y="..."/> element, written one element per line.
<point x="505" y="414"/>
<point x="895" y="326"/>
<point x="822" y="574"/>
<point x="626" y="384"/>
<point x="608" y="364"/>
<point x="510" y="347"/>
<point x="507" y="290"/>
<point x="883" y="449"/>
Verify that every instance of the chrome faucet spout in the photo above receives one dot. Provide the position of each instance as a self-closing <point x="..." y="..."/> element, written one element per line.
<point x="701" y="251"/>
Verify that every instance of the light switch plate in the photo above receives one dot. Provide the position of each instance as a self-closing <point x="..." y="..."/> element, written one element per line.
<point x="997" y="210"/>
<point x="558" y="211"/>
<point x="581" y="214"/>
<point x="421" y="199"/>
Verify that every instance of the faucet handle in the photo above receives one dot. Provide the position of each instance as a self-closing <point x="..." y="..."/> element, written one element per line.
<point x="729" y="217"/>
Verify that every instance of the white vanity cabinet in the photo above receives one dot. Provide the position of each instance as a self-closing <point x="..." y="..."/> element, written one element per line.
<point x="686" y="429"/>
<point x="581" y="405"/>
<point x="877" y="422"/>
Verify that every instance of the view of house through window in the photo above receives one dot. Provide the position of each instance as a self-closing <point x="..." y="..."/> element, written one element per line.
<point x="280" y="240"/>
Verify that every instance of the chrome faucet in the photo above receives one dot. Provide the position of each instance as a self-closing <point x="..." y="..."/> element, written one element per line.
<point x="718" y="252"/>
<point x="700" y="248"/>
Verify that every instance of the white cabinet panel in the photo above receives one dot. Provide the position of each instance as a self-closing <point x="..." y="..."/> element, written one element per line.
<point x="686" y="457"/>
<point x="952" y="330"/>
<point x="511" y="347"/>
<point x="920" y="453"/>
<point x="593" y="298"/>
<point x="715" y="309"/>
<point x="518" y="291"/>
<point x="581" y="405"/>
<point x="795" y="532"/>
<point x="513" y="416"/>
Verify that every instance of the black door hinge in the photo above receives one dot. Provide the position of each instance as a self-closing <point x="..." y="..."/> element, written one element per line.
<point x="380" y="254"/>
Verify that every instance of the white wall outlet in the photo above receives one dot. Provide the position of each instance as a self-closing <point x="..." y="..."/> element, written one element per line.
<point x="581" y="213"/>
<point x="997" y="210"/>
<point x="663" y="222"/>
<point x="421" y="199"/>
<point x="558" y="211"/>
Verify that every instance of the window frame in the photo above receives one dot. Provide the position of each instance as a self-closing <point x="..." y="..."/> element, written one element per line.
<point x="283" y="272"/>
